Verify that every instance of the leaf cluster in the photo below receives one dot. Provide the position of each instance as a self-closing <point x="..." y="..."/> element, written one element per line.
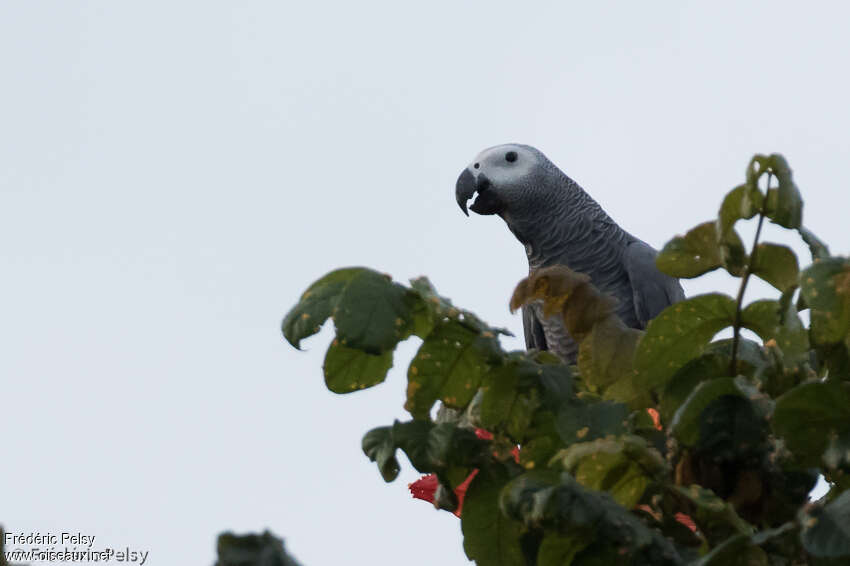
<point x="577" y="471"/>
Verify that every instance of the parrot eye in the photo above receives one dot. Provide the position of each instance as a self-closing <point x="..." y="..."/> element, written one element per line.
<point x="510" y="156"/>
<point x="477" y="165"/>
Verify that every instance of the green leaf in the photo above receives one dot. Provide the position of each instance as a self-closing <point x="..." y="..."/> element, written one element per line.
<point x="511" y="393"/>
<point x="777" y="265"/>
<point x="712" y="364"/>
<point x="742" y="202"/>
<point x="431" y="308"/>
<point x="624" y="466"/>
<point x="683" y="383"/>
<point x="686" y="421"/>
<point x="712" y="513"/>
<point x="826" y="530"/>
<point x="778" y="327"/>
<point x="582" y="422"/>
<point x="834" y="359"/>
<point x="732" y="252"/>
<point x="708" y="366"/>
<point x="379" y="447"/>
<point x="448" y="366"/>
<point x="807" y="416"/>
<point x="449" y="445"/>
<point x="348" y="369"/>
<point x="440" y="447"/>
<point x="317" y="304"/>
<point x="414" y="438"/>
<point x="247" y="550"/>
<point x="732" y="430"/>
<point x="431" y="448"/>
<point x="489" y="537"/>
<point x="498" y="393"/>
<point x="522" y="414"/>
<point x="559" y="550"/>
<point x="541" y="440"/>
<point x="783" y="205"/>
<point x="679" y="334"/>
<point x="560" y="503"/>
<point x="825" y="286"/>
<point x="371" y="313"/>
<point x="554" y="379"/>
<point x="818" y="249"/>
<point x="736" y="551"/>
<point x="606" y="354"/>
<point x="693" y="254"/>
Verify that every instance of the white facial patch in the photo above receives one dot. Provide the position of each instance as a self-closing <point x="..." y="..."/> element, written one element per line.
<point x="496" y="164"/>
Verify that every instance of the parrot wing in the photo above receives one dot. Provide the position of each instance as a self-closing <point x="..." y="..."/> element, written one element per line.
<point x="534" y="336"/>
<point x="652" y="290"/>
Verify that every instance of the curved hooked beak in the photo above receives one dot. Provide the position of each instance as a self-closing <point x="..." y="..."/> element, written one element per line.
<point x="468" y="185"/>
<point x="464" y="189"/>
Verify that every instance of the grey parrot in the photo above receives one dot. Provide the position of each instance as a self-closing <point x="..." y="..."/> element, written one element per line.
<point x="560" y="224"/>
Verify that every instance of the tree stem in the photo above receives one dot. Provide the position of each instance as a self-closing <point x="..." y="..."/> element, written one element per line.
<point x="745" y="277"/>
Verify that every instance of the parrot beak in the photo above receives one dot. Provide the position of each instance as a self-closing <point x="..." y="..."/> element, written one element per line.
<point x="467" y="185"/>
<point x="465" y="189"/>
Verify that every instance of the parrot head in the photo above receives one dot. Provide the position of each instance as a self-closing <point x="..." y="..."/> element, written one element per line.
<point x="508" y="179"/>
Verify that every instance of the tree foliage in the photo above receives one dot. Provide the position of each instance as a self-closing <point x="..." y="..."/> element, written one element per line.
<point x="263" y="549"/>
<point x="745" y="427"/>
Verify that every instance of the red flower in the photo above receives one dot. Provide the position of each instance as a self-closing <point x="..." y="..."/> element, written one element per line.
<point x="425" y="487"/>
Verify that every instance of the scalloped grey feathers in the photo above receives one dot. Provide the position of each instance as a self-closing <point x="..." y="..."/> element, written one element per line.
<point x="560" y="224"/>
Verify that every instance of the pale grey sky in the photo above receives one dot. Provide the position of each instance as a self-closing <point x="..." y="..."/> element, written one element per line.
<point x="174" y="174"/>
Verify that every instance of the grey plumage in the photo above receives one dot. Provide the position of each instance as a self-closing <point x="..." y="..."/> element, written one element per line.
<point x="560" y="224"/>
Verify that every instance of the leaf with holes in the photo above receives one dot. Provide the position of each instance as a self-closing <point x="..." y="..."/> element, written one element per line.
<point x="498" y="394"/>
<point x="317" y="304"/>
<point x="784" y="329"/>
<point x="623" y="466"/>
<point x="693" y="254"/>
<point x="582" y="422"/>
<point x="741" y="203"/>
<point x="371" y="313"/>
<point x="489" y="537"/>
<point x="825" y="286"/>
<point x="807" y="416"/>
<point x="431" y="308"/>
<point x="679" y="334"/>
<point x="431" y="448"/>
<point x="379" y="447"/>
<point x="606" y="353"/>
<point x="706" y="367"/>
<point x="448" y="366"/>
<point x="783" y="204"/>
<point x="712" y="364"/>
<point x="817" y="248"/>
<point x="777" y="265"/>
<point x="560" y="503"/>
<point x="348" y="369"/>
